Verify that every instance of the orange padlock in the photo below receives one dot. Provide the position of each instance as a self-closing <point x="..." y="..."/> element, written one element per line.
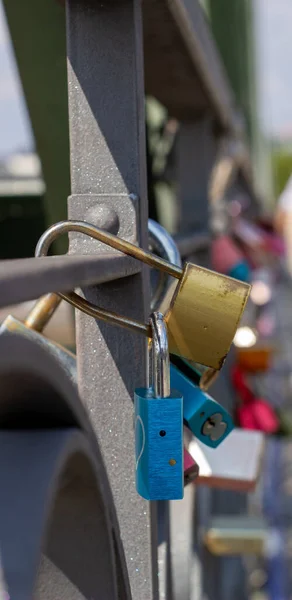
<point x="256" y="359"/>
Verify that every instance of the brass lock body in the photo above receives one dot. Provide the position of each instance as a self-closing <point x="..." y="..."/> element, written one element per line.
<point x="204" y="314"/>
<point x="228" y="536"/>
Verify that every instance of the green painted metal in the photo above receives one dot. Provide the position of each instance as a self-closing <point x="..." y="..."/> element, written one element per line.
<point x="19" y="214"/>
<point x="38" y="34"/>
<point x="231" y="23"/>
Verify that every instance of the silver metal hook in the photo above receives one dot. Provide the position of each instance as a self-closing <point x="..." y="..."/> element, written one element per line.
<point x="159" y="364"/>
<point x="162" y="244"/>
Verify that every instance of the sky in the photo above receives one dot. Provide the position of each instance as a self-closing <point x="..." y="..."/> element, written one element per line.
<point x="15" y="130"/>
<point x="273" y="23"/>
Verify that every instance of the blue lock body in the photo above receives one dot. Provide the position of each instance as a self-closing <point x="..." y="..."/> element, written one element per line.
<point x="207" y="420"/>
<point x="159" y="446"/>
<point x="159" y="426"/>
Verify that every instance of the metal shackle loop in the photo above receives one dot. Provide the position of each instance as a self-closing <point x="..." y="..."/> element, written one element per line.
<point x="159" y="364"/>
<point x="53" y="232"/>
<point x="161" y="242"/>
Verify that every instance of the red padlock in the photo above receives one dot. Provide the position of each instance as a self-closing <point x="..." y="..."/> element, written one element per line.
<point x="259" y="416"/>
<point x="253" y="413"/>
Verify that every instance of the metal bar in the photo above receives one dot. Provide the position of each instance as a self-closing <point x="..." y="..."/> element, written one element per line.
<point x="108" y="239"/>
<point x="29" y="278"/>
<point x="190" y="243"/>
<point x="182" y="542"/>
<point x="107" y="138"/>
<point x="191" y="22"/>
<point x="196" y="153"/>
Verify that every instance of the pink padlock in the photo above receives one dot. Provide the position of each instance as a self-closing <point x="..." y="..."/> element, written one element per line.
<point x="228" y="259"/>
<point x="191" y="468"/>
<point x="224" y="254"/>
<point x="275" y="244"/>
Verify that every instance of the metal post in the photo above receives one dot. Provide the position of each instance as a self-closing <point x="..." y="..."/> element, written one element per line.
<point x="108" y="178"/>
<point x="196" y="156"/>
<point x="224" y="577"/>
<point x="196" y="153"/>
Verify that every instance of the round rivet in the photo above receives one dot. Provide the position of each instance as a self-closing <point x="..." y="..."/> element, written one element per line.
<point x="172" y="462"/>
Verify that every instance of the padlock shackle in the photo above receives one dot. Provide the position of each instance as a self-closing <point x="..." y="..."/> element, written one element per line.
<point x="85" y="306"/>
<point x="163" y="245"/>
<point x="102" y="314"/>
<point x="53" y="232"/>
<point x="191" y="278"/>
<point x="160" y="363"/>
<point x="42" y="312"/>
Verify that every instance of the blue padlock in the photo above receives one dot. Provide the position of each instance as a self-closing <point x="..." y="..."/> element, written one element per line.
<point x="240" y="271"/>
<point x="207" y="420"/>
<point x="159" y="426"/>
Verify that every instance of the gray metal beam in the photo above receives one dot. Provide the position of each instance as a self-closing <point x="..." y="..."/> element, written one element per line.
<point x="182" y="67"/>
<point x="29" y="278"/>
<point x="196" y="153"/>
<point x="182" y="544"/>
<point x="107" y="136"/>
<point x="191" y="243"/>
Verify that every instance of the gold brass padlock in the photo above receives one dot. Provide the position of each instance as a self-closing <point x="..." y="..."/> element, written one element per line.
<point x="33" y="326"/>
<point x="228" y="536"/>
<point x="205" y="309"/>
<point x="204" y="315"/>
